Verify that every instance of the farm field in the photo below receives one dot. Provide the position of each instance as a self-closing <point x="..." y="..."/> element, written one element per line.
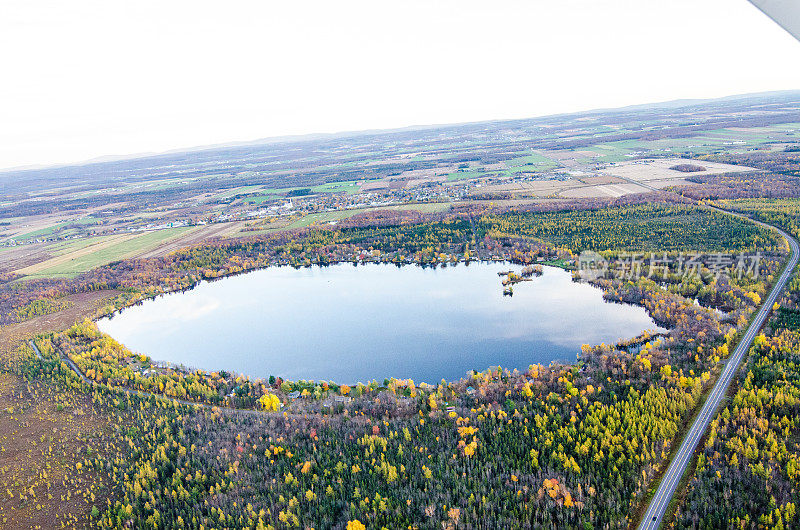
<point x="660" y="170"/>
<point x="74" y="261"/>
<point x="267" y="187"/>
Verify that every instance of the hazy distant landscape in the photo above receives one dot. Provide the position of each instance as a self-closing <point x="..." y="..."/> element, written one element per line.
<point x="66" y="220"/>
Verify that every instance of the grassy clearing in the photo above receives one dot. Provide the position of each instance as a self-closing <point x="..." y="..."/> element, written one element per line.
<point x="322" y="217"/>
<point x="326" y="217"/>
<point x="53" y="228"/>
<point x="92" y="256"/>
<point x="612" y="152"/>
<point x="560" y="263"/>
<point x="39" y="233"/>
<point x="463" y="174"/>
<point x="349" y="187"/>
<point x="60" y="248"/>
<point x="534" y="161"/>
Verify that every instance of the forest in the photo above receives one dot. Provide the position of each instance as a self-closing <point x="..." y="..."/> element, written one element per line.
<point x="750" y="461"/>
<point x="565" y="445"/>
<point x="653" y="227"/>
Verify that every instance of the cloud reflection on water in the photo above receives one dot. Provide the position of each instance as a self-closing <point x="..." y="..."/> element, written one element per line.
<point x="350" y="323"/>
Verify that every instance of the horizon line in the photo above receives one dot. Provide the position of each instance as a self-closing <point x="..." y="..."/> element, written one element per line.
<point x="310" y="136"/>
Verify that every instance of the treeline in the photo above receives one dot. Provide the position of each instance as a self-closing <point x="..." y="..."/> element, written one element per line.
<point x="750" y="463"/>
<point x="654" y="227"/>
<point x="741" y="185"/>
<point x="786" y="162"/>
<point x="784" y="213"/>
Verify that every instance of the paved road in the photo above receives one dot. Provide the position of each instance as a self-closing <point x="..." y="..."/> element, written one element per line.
<point x="35" y="349"/>
<point x="63" y="358"/>
<point x="663" y="495"/>
<point x="75" y="369"/>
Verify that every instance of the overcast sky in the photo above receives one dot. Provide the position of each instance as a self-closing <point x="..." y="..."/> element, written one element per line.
<point x="83" y="79"/>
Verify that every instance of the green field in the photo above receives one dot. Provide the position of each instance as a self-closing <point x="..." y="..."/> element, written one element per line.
<point x="348" y="187"/>
<point x="532" y="162"/>
<point x="51" y="229"/>
<point x="618" y="151"/>
<point x="710" y="141"/>
<point x="326" y="217"/>
<point x="60" y="248"/>
<point x="470" y="174"/>
<point x="38" y="233"/>
<point x="322" y="217"/>
<point x="118" y="251"/>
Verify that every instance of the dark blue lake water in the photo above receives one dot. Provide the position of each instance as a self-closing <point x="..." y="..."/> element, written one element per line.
<point x="349" y="324"/>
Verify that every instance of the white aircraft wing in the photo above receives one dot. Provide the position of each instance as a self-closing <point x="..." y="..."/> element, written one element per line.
<point x="785" y="12"/>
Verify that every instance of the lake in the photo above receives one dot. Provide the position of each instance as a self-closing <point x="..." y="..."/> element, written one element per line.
<point x="348" y="324"/>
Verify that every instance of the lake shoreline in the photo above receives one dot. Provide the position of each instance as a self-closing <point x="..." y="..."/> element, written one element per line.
<point x="485" y="266"/>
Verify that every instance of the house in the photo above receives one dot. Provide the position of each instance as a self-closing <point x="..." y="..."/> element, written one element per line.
<point x="470" y="391"/>
<point x="294" y="395"/>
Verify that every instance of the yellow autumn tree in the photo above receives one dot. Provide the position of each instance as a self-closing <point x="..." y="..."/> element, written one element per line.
<point x="269" y="402"/>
